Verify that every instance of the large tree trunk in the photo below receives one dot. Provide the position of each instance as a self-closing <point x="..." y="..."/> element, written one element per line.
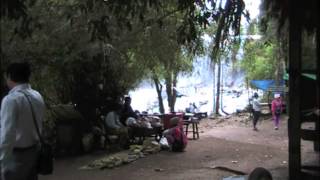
<point x="220" y="35"/>
<point x="218" y="87"/>
<point x="174" y="92"/>
<point x="171" y="81"/>
<point x="169" y="90"/>
<point x="159" y="90"/>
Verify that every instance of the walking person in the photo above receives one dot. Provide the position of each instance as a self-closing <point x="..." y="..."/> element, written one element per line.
<point x="276" y="109"/>
<point x="256" y="110"/>
<point x="19" y="141"/>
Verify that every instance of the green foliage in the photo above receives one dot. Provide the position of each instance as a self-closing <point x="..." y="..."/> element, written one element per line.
<point x="76" y="46"/>
<point x="68" y="65"/>
<point x="159" y="52"/>
<point x="259" y="60"/>
<point x="264" y="58"/>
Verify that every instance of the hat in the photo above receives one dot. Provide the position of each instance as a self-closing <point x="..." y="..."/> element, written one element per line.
<point x="276" y="95"/>
<point x="174" y="121"/>
<point x="255" y="95"/>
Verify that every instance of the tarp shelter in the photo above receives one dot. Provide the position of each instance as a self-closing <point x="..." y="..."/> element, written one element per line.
<point x="266" y="84"/>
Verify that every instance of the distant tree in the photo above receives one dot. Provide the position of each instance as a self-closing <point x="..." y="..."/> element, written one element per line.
<point x="164" y="57"/>
<point x="263" y="58"/>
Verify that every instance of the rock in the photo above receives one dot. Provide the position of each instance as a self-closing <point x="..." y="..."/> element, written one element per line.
<point x="158" y="169"/>
<point x="137" y="151"/>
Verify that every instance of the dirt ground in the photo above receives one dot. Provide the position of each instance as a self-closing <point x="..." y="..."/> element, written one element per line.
<point x="228" y="142"/>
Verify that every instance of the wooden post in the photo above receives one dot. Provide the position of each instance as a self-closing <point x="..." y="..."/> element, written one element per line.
<point x="317" y="143"/>
<point x="294" y="124"/>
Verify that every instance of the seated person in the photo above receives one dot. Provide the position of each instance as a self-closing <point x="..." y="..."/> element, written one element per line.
<point x="176" y="138"/>
<point x="192" y="108"/>
<point x="127" y="111"/>
<point x="114" y="126"/>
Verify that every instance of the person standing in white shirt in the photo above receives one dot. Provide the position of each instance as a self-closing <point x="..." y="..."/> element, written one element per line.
<point x="19" y="141"/>
<point x="256" y="110"/>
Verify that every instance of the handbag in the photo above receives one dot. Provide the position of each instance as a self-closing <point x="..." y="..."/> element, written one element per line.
<point x="45" y="156"/>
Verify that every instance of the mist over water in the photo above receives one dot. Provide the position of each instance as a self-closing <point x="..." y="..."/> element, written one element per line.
<point x="196" y="88"/>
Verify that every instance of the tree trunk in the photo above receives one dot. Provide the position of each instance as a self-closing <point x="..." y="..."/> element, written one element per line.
<point x="218" y="87"/>
<point x="159" y="90"/>
<point x="169" y="90"/>
<point x="174" y="92"/>
<point x="234" y="61"/>
<point x="171" y="81"/>
<point x="213" y="88"/>
<point x="278" y="71"/>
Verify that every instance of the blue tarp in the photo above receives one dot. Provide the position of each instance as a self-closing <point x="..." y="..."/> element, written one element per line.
<point x="264" y="84"/>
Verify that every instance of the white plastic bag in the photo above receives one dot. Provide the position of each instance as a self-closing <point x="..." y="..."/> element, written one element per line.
<point x="164" y="143"/>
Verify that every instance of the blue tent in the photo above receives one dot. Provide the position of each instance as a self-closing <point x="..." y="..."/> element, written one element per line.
<point x="264" y="84"/>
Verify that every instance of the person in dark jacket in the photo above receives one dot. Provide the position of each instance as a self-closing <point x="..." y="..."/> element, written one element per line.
<point x="127" y="111"/>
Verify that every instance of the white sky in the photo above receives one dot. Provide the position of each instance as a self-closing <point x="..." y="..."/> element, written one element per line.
<point x="253" y="7"/>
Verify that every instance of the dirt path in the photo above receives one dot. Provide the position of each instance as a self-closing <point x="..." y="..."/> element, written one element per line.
<point x="230" y="143"/>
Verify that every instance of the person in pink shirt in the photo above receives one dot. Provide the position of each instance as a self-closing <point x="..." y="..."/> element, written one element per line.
<point x="175" y="136"/>
<point x="276" y="109"/>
